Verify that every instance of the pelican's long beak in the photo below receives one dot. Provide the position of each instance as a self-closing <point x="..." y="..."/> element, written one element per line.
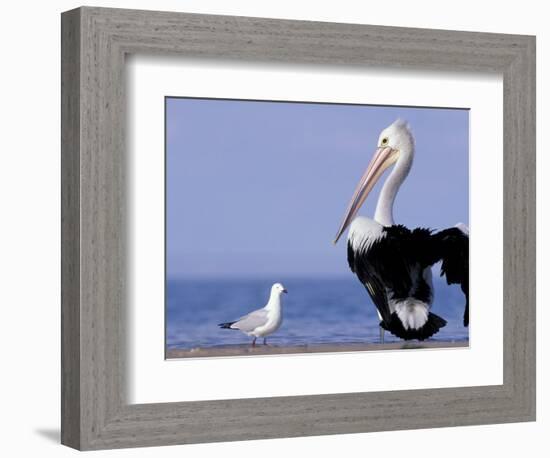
<point x="382" y="159"/>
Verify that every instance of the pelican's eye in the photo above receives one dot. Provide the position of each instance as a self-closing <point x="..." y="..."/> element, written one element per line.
<point x="385" y="141"/>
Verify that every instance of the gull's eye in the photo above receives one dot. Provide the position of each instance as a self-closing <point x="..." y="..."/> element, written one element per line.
<point x="385" y="141"/>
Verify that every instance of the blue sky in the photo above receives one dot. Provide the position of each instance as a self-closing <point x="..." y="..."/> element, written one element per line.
<point x="260" y="188"/>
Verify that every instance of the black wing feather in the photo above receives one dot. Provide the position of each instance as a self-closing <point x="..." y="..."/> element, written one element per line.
<point x="451" y="247"/>
<point x="386" y="266"/>
<point x="371" y="281"/>
<point x="387" y="263"/>
<point x="454" y="246"/>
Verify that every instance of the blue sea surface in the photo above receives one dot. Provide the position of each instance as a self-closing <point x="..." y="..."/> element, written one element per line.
<point x="315" y="311"/>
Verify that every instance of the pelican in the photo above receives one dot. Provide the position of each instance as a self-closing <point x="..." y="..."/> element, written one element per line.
<point x="394" y="262"/>
<point x="264" y="321"/>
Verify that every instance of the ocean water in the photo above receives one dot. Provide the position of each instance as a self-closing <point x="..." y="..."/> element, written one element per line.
<point x="315" y="310"/>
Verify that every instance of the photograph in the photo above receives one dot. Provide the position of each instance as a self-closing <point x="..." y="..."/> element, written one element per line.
<point x="300" y="227"/>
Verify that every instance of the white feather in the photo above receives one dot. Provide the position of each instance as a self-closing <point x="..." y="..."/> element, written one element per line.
<point x="412" y="312"/>
<point x="463" y="228"/>
<point x="363" y="232"/>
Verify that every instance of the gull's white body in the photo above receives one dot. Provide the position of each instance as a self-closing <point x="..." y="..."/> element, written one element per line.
<point x="275" y="318"/>
<point x="274" y="309"/>
<point x="264" y="321"/>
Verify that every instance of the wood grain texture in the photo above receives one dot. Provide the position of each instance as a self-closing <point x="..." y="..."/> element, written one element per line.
<point x="96" y="413"/>
<point x="70" y="229"/>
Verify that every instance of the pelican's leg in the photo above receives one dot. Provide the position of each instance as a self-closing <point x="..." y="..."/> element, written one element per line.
<point x="265" y="340"/>
<point x="254" y="342"/>
<point x="381" y="334"/>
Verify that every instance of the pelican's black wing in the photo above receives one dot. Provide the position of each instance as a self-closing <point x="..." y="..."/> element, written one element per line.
<point x="390" y="264"/>
<point x="451" y="246"/>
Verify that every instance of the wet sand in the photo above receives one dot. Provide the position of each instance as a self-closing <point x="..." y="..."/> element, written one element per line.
<point x="248" y="350"/>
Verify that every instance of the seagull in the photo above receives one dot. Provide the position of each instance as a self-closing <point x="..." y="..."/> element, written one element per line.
<point x="264" y="321"/>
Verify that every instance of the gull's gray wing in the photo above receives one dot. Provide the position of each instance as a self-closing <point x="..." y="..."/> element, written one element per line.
<point x="251" y="321"/>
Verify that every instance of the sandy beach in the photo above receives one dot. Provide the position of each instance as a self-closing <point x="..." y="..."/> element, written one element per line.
<point x="248" y="350"/>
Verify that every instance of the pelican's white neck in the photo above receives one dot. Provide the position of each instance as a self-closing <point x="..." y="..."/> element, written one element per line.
<point x="384" y="207"/>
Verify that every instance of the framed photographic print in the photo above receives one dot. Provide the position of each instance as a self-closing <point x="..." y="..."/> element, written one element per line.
<point x="248" y="222"/>
<point x="289" y="203"/>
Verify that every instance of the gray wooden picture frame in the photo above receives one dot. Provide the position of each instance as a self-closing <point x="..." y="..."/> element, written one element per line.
<point x="95" y="411"/>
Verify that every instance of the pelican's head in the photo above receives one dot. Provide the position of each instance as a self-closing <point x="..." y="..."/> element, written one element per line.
<point x="277" y="289"/>
<point x="395" y="145"/>
<point x="399" y="138"/>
